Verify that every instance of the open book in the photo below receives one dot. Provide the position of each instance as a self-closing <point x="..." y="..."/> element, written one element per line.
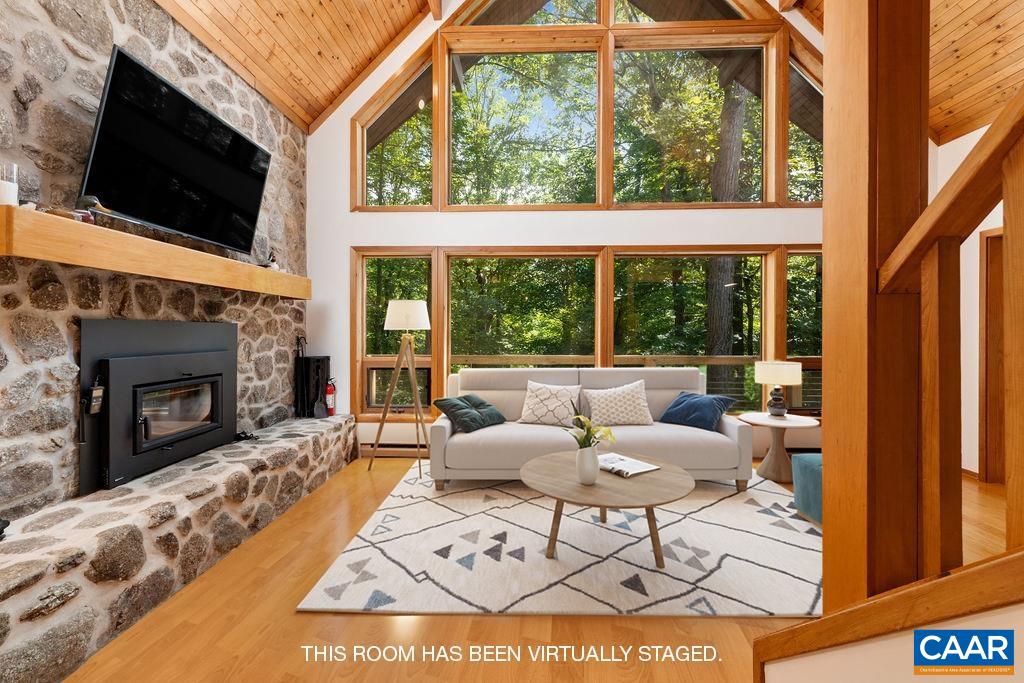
<point x="622" y="465"/>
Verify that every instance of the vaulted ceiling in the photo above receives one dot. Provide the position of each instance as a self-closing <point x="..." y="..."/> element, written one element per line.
<point x="977" y="60"/>
<point x="306" y="55"/>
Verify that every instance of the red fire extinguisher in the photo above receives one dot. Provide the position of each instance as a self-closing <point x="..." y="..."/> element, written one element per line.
<point x="331" y="391"/>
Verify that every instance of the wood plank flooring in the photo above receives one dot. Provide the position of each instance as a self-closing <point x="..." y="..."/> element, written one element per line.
<point x="238" y="620"/>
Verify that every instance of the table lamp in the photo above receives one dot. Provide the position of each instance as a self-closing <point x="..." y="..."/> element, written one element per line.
<point x="778" y="374"/>
<point x="405" y="315"/>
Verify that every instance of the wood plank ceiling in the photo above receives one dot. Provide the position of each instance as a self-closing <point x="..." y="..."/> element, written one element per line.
<point x="977" y="60"/>
<point x="301" y="55"/>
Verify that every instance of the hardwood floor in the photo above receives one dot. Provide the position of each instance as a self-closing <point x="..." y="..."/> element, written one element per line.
<point x="238" y="620"/>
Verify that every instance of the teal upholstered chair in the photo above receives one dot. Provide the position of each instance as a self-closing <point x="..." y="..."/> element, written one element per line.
<point x="807" y="485"/>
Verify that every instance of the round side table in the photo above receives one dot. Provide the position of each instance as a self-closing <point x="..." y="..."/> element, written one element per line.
<point x="776" y="465"/>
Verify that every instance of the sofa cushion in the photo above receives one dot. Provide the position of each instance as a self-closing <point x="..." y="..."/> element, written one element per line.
<point x="661" y="384"/>
<point x="687" y="447"/>
<point x="469" y="413"/>
<point x="697" y="410"/>
<point x="505" y="446"/>
<point x="550" y="404"/>
<point x="624" y="405"/>
<point x="506" y="387"/>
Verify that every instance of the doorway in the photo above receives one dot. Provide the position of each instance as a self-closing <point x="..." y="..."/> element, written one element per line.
<point x="991" y="456"/>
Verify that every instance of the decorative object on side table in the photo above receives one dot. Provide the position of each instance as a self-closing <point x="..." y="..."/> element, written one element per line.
<point x="776" y="465"/>
<point x="8" y="183"/>
<point x="405" y="315"/>
<point x="777" y="374"/>
<point x="588" y="435"/>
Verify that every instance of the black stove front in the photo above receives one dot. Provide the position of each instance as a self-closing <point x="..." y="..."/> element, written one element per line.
<point x="169" y="394"/>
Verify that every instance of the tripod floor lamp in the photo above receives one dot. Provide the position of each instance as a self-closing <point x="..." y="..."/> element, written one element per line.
<point x="405" y="315"/>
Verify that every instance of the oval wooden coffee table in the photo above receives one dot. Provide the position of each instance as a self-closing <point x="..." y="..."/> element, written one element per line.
<point x="554" y="475"/>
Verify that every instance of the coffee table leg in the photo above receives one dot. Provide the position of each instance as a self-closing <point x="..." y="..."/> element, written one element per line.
<point x="553" y="538"/>
<point x="604" y="515"/>
<point x="652" y="523"/>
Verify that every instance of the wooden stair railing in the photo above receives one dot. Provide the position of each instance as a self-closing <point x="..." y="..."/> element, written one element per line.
<point x="926" y="260"/>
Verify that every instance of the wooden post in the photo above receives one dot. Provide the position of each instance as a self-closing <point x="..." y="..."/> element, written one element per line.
<point x="876" y="166"/>
<point x="1013" y="353"/>
<point x="941" y="515"/>
<point x="776" y="293"/>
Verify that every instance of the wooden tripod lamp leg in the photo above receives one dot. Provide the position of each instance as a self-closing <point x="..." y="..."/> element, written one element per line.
<point x="387" y="400"/>
<point x="417" y="405"/>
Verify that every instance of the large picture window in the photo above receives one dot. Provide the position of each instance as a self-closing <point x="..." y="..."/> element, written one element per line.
<point x="643" y="11"/>
<point x="692" y="310"/>
<point x="688" y="126"/>
<point x="386" y="278"/>
<point x="524" y="128"/>
<point x="537" y="12"/>
<point x="803" y="326"/>
<point x="521" y="311"/>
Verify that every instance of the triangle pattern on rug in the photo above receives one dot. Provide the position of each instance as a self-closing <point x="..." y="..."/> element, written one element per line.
<point x="668" y="552"/>
<point x="494" y="552"/>
<point x="364" y="576"/>
<point x="389" y="518"/>
<point x="768" y="511"/>
<point x="378" y="599"/>
<point x="444" y="552"/>
<point x="680" y="543"/>
<point x="500" y="538"/>
<point x="335" y="592"/>
<point x="702" y="606"/>
<point x="357" y="567"/>
<point x="632" y="516"/>
<point x="624" y="525"/>
<point x="467" y="561"/>
<point x="380" y="529"/>
<point x="813" y="532"/>
<point x="635" y="583"/>
<point x="489" y="498"/>
<point x="518" y="553"/>
<point x="695" y="564"/>
<point x="471" y="537"/>
<point x="699" y="552"/>
<point x="783" y="524"/>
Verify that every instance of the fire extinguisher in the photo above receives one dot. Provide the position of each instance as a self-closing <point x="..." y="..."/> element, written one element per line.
<point x="331" y="391"/>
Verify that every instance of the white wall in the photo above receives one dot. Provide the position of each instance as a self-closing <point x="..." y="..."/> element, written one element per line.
<point x="332" y="229"/>
<point x="948" y="158"/>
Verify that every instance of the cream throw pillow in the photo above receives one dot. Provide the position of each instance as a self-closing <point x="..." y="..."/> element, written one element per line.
<point x="625" y="405"/>
<point x="550" y="404"/>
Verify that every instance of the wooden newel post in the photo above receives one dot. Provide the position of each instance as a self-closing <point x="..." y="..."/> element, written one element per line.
<point x="1013" y="353"/>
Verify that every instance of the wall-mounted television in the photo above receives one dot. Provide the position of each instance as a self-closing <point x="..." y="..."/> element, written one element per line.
<point x="160" y="158"/>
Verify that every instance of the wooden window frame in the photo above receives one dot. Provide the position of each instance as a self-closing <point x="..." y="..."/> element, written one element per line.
<point x="773" y="305"/>
<point x="776" y="332"/>
<point x="762" y="28"/>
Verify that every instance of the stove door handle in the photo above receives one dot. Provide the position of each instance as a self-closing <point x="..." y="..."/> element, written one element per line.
<point x="142" y="429"/>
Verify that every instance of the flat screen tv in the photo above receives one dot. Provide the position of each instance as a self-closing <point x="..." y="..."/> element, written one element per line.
<point x="160" y="158"/>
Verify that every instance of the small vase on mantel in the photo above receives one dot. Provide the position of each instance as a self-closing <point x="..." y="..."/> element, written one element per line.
<point x="586" y="465"/>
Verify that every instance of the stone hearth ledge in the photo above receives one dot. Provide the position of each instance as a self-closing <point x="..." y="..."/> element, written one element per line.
<point x="76" y="574"/>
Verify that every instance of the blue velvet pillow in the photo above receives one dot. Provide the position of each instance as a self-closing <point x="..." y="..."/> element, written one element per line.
<point x="697" y="410"/>
<point x="470" y="412"/>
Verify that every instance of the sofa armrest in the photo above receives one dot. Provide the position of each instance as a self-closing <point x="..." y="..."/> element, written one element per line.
<point x="440" y="431"/>
<point x="742" y="434"/>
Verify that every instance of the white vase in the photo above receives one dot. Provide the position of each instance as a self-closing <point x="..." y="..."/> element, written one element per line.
<point x="586" y="465"/>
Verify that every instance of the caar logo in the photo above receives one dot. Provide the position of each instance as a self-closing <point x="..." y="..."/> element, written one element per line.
<point x="968" y="651"/>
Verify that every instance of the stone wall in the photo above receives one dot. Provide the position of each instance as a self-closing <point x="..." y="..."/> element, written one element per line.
<point x="77" y="575"/>
<point x="53" y="60"/>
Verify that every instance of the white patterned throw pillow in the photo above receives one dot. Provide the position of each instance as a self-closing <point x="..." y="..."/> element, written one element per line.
<point x="549" y="404"/>
<point x="625" y="405"/>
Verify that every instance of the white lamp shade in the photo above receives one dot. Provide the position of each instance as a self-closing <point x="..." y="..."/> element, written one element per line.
<point x="406" y="314"/>
<point x="778" y="372"/>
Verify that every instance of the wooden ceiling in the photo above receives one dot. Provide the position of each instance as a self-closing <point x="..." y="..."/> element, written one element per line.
<point x="302" y="55"/>
<point x="977" y="60"/>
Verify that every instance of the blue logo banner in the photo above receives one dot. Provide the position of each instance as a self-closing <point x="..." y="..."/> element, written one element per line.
<point x="963" y="651"/>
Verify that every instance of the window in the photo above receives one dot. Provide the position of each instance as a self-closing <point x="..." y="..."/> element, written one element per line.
<point x="692" y="310"/>
<point x="517" y="12"/>
<point x="688" y="126"/>
<point x="634" y="11"/>
<point x="524" y="128"/>
<point x="806" y="152"/>
<point x="803" y="326"/>
<point x="521" y="311"/>
<point x="387" y="278"/>
<point x="399" y="171"/>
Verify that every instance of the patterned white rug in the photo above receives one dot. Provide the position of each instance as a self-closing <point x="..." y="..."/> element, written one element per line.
<point x="479" y="547"/>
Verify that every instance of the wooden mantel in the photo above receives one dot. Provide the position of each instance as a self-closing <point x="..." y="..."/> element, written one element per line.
<point x="36" y="235"/>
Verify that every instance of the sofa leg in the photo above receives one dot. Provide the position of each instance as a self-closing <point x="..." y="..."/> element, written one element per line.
<point x="439" y="484"/>
<point x="741" y="485"/>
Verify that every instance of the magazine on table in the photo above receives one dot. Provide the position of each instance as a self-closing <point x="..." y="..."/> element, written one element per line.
<point x="623" y="465"/>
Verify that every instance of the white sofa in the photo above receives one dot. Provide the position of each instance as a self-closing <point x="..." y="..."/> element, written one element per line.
<point x="498" y="452"/>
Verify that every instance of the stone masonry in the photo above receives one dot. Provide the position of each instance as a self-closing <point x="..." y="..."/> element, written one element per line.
<point x="53" y="60"/>
<point x="78" y="574"/>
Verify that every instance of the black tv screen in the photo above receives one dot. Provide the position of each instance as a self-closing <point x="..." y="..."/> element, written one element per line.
<point x="160" y="158"/>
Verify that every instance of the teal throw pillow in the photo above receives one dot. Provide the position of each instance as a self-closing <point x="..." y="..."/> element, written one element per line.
<point x="470" y="412"/>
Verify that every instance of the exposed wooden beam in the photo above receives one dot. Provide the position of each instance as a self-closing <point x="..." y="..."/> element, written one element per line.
<point x="435" y="9"/>
<point x="787" y="5"/>
<point x="1013" y="352"/>
<point x="941" y="516"/>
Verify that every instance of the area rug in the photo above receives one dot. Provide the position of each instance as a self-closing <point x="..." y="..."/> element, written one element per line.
<point x="478" y="547"/>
